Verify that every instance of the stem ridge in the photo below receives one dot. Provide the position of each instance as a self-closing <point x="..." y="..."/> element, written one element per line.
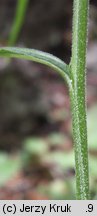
<point x="78" y="96"/>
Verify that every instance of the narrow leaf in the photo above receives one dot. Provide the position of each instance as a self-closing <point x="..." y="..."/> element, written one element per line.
<point x="39" y="57"/>
<point x="18" y="21"/>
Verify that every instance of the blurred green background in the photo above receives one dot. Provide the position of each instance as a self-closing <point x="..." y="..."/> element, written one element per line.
<point x="36" y="146"/>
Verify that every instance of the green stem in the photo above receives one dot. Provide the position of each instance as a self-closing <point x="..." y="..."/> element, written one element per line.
<point x="78" y="96"/>
<point x="18" y="21"/>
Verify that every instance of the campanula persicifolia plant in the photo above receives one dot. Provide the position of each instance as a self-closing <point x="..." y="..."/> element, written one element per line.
<point x="74" y="75"/>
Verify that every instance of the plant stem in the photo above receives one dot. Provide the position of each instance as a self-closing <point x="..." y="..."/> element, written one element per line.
<point x="18" y="21"/>
<point x="78" y="96"/>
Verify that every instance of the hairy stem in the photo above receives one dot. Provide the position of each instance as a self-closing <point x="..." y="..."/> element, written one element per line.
<point x="78" y="96"/>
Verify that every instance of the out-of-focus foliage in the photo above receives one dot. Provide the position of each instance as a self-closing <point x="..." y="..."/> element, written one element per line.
<point x="8" y="168"/>
<point x="59" y="189"/>
<point x="48" y="156"/>
<point x="92" y="128"/>
<point x="34" y="149"/>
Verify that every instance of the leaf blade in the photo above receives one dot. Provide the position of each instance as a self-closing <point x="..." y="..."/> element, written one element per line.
<point x="39" y="57"/>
